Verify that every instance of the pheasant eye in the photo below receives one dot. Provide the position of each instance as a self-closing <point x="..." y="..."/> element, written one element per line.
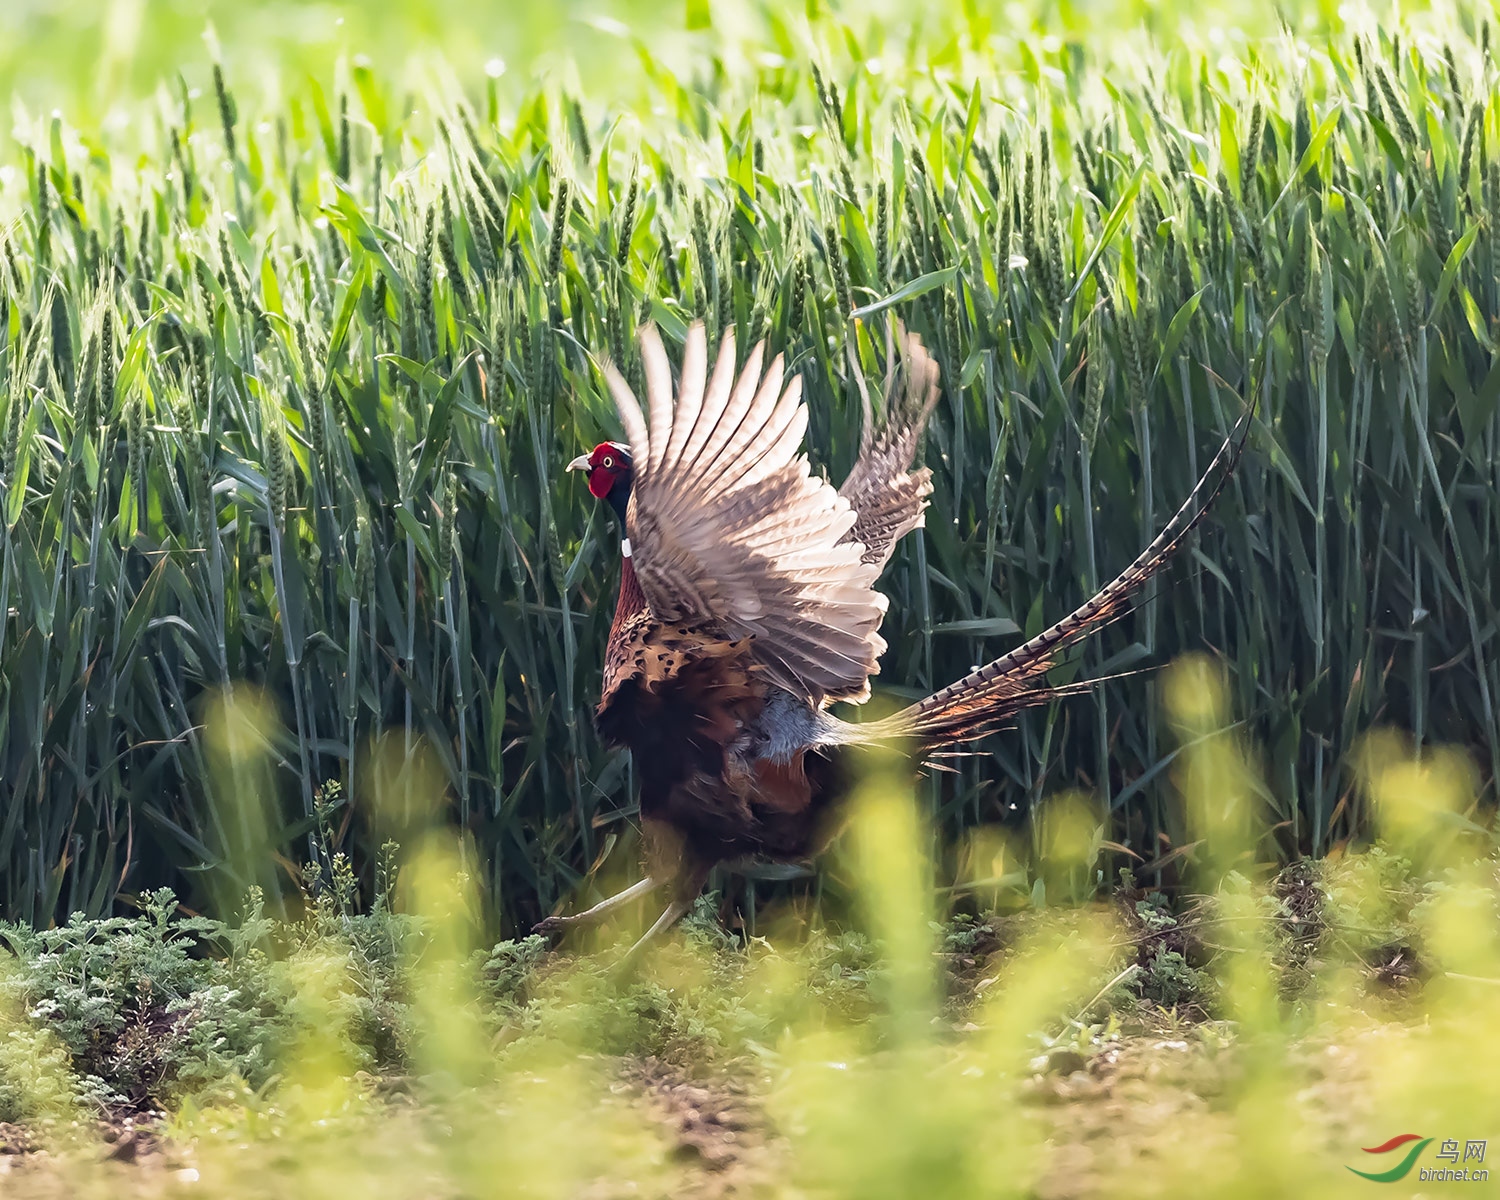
<point x="608" y="462"/>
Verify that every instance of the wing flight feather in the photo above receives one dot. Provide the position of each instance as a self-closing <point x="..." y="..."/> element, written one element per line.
<point x="729" y="527"/>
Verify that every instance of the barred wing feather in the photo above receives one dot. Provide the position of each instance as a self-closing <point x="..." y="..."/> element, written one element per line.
<point x="888" y="497"/>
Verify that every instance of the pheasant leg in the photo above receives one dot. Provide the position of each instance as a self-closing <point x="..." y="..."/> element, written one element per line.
<point x="601" y="910"/>
<point x="686" y="886"/>
<point x="674" y="913"/>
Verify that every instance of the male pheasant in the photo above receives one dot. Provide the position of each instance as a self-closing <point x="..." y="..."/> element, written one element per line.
<point x="747" y="606"/>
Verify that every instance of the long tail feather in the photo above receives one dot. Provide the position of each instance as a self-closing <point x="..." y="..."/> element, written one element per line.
<point x="984" y="699"/>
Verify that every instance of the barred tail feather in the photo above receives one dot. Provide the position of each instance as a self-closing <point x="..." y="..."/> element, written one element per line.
<point x="984" y="699"/>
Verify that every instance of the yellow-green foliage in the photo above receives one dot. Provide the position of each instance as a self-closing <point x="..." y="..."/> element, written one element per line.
<point x="516" y="1060"/>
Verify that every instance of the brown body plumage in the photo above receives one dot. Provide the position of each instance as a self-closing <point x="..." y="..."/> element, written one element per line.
<point x="747" y="606"/>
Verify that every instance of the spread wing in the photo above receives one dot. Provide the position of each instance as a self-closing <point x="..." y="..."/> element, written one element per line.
<point x="887" y="496"/>
<point x="728" y="525"/>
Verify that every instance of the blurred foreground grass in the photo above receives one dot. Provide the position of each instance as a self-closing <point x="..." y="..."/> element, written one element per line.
<point x="1248" y="1043"/>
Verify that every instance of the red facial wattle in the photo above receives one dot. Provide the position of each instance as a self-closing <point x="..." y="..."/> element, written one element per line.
<point x="601" y="480"/>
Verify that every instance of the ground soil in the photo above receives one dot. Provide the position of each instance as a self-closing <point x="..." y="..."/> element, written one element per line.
<point x="1120" y="1107"/>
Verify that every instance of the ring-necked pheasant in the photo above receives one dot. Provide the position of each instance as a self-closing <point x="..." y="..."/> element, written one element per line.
<point x="747" y="606"/>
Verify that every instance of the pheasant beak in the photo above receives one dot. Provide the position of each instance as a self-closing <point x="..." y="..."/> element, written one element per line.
<point x="581" y="463"/>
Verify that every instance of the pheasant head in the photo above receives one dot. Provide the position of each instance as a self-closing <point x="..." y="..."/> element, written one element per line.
<point x="610" y="473"/>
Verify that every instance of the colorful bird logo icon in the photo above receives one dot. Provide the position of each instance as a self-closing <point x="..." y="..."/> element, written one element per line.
<point x="1400" y="1170"/>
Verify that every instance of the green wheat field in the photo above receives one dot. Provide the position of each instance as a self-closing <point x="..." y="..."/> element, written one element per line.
<point x="302" y="312"/>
